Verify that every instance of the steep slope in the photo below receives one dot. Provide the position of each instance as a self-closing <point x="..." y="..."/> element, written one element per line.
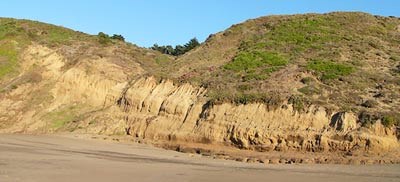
<point x="326" y="85"/>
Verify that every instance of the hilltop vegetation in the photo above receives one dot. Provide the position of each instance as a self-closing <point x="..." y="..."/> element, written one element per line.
<point x="16" y="35"/>
<point x="179" y="49"/>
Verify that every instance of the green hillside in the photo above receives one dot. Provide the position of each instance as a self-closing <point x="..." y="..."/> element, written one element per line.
<point x="342" y="61"/>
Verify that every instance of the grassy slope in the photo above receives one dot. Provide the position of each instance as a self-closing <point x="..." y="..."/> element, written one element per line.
<point x="343" y="61"/>
<point x="17" y="35"/>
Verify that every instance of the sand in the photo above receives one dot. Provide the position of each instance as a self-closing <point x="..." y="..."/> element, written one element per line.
<point x="47" y="158"/>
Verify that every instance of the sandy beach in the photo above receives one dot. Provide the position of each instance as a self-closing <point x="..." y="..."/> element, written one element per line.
<point x="28" y="158"/>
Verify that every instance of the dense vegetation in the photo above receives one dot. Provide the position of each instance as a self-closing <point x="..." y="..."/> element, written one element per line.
<point x="179" y="49"/>
<point x="256" y="65"/>
<point x="106" y="39"/>
<point x="329" y="69"/>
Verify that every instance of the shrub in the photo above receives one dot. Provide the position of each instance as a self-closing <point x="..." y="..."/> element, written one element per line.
<point x="179" y="49"/>
<point x="388" y="121"/>
<point x="391" y="119"/>
<point x="118" y="37"/>
<point x="329" y="69"/>
<point x="246" y="61"/>
<point x="299" y="103"/>
<point x="103" y="38"/>
<point x="193" y="43"/>
<point x="367" y="119"/>
<point x="244" y="98"/>
<point x="256" y="65"/>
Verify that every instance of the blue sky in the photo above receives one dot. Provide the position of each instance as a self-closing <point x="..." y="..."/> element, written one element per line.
<point x="145" y="22"/>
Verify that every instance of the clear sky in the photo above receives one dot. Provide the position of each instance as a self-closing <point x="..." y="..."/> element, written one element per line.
<point x="145" y="22"/>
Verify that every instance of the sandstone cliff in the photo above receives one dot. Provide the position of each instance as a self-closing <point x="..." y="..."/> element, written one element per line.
<point x="122" y="103"/>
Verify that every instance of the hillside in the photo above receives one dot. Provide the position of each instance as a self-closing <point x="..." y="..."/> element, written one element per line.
<point x="325" y="84"/>
<point x="342" y="61"/>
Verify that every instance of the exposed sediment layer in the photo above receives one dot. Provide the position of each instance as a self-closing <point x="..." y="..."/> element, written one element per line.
<point x="163" y="111"/>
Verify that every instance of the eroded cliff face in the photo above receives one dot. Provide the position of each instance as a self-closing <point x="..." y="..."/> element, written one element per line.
<point x="162" y="111"/>
<point x="100" y="97"/>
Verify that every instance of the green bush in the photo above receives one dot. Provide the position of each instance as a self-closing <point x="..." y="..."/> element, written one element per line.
<point x="391" y="120"/>
<point x="367" y="119"/>
<point x="329" y="69"/>
<point x="255" y="65"/>
<point x="246" y="61"/>
<point x="179" y="49"/>
<point x="388" y="121"/>
<point x="103" y="38"/>
<point x="299" y="103"/>
<point x="118" y="37"/>
<point x="245" y="98"/>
